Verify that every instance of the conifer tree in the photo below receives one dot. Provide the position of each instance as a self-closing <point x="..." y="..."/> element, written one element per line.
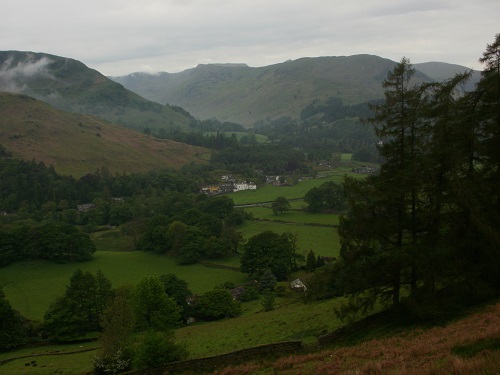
<point x="430" y="218"/>
<point x="311" y="262"/>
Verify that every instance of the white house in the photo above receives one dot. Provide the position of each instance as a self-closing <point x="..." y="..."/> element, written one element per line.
<point x="238" y="186"/>
<point x="297" y="284"/>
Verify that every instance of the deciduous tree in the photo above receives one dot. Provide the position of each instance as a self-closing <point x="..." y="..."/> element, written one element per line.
<point x="154" y="310"/>
<point x="217" y="304"/>
<point x="280" y="205"/>
<point x="269" y="250"/>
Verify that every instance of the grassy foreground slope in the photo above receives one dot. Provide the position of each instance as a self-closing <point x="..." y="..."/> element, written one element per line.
<point x="78" y="144"/>
<point x="468" y="346"/>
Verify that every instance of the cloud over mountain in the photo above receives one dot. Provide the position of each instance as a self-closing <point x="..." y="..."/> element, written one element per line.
<point x="13" y="73"/>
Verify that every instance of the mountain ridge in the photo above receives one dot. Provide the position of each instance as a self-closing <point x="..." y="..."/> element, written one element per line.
<point x="246" y="95"/>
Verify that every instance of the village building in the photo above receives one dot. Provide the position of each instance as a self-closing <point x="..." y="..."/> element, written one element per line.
<point x="238" y="186"/>
<point x="237" y="292"/>
<point x="85" y="207"/>
<point x="298" y="285"/>
<point x="230" y="185"/>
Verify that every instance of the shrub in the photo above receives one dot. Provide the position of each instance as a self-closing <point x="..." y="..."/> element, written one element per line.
<point x="217" y="304"/>
<point x="157" y="348"/>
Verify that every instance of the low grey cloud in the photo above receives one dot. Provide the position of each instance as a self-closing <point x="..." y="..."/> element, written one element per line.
<point x="11" y="71"/>
<point x="123" y="36"/>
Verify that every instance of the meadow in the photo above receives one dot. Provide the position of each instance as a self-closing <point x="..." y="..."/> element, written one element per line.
<point x="322" y="240"/>
<point x="295" y="215"/>
<point x="268" y="193"/>
<point x="50" y="359"/>
<point x="259" y="138"/>
<point x="290" y="320"/>
<point x="31" y="286"/>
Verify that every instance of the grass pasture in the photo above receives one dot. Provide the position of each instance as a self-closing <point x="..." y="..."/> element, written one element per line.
<point x="48" y="360"/>
<point x="258" y="137"/>
<point x="289" y="321"/>
<point x="294" y="216"/>
<point x="269" y="193"/>
<point x="322" y="240"/>
<point x="31" y="286"/>
<point x="112" y="240"/>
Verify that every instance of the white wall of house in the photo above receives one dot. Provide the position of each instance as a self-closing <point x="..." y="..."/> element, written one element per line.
<point x="238" y="186"/>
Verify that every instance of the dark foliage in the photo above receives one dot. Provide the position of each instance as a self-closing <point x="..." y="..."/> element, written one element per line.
<point x="327" y="196"/>
<point x="77" y="312"/>
<point x="217" y="304"/>
<point x="269" y="251"/>
<point x="13" y="327"/>
<point x="429" y="220"/>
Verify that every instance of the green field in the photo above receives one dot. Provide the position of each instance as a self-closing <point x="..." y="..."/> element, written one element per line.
<point x="291" y="320"/>
<point x="294" y="216"/>
<point x="322" y="240"/>
<point x="258" y="137"/>
<point x="269" y="193"/>
<point x="31" y="286"/>
<point x="47" y="362"/>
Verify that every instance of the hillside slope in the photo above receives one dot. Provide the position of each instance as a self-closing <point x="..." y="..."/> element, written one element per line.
<point x="69" y="85"/>
<point x="77" y="144"/>
<point x="467" y="346"/>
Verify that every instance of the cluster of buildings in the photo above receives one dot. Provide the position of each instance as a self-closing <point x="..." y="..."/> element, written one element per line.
<point x="365" y="169"/>
<point x="228" y="185"/>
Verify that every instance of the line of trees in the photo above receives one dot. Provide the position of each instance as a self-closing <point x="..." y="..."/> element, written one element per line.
<point x="134" y="323"/>
<point x="58" y="242"/>
<point x="426" y="226"/>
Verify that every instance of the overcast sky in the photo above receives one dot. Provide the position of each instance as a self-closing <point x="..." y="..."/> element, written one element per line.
<point x="119" y="37"/>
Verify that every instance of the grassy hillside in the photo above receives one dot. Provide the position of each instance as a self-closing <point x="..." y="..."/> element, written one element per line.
<point x="467" y="346"/>
<point x="77" y="144"/>
<point x="245" y="95"/>
<point x="69" y="85"/>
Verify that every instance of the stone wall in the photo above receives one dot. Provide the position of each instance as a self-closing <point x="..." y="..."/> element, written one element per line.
<point x="210" y="364"/>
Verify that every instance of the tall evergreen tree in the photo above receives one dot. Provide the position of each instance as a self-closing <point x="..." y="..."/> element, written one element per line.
<point x="77" y="312"/>
<point x="442" y="164"/>
<point x="430" y="218"/>
<point x="13" y="327"/>
<point x="398" y="124"/>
